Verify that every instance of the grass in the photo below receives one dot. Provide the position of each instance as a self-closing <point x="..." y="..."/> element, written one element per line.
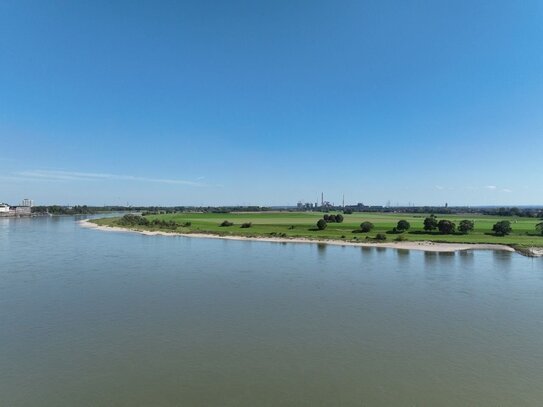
<point x="302" y="225"/>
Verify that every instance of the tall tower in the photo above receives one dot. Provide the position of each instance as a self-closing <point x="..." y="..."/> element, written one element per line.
<point x="344" y="200"/>
<point x="322" y="198"/>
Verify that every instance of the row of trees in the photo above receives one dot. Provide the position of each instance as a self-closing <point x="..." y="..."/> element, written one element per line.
<point x="326" y="219"/>
<point x="444" y="226"/>
<point x="338" y="218"/>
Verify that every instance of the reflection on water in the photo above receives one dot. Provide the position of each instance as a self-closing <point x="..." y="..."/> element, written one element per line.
<point x="321" y="249"/>
<point x="90" y="318"/>
<point x="366" y="249"/>
<point x="430" y="259"/>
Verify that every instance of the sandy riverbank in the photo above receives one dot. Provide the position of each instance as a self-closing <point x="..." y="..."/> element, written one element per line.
<point x="422" y="245"/>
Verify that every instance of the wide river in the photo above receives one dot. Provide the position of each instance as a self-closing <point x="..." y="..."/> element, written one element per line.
<point x="93" y="318"/>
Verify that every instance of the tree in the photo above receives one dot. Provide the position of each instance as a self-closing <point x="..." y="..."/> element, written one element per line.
<point x="539" y="228"/>
<point x="366" y="227"/>
<point x="321" y="224"/>
<point x="339" y="218"/>
<point x="446" y="226"/>
<point x="465" y="226"/>
<point x="430" y="223"/>
<point x="402" y="226"/>
<point x="502" y="228"/>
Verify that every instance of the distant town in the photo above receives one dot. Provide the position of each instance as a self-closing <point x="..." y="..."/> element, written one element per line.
<point x="24" y="209"/>
<point x="28" y="208"/>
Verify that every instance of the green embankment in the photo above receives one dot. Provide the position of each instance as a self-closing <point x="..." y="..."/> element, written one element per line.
<point x="303" y="225"/>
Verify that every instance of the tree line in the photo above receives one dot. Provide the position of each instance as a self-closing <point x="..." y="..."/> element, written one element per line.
<point x="432" y="224"/>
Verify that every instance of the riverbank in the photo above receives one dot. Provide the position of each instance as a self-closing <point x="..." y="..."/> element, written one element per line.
<point x="426" y="246"/>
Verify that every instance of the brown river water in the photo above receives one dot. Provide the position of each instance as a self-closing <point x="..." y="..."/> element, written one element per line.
<point x="92" y="318"/>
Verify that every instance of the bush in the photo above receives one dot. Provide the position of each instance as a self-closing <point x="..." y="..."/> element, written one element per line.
<point x="339" y="218"/>
<point x="502" y="228"/>
<point x="226" y="223"/>
<point x="246" y="225"/>
<point x="539" y="228"/>
<point x="133" y="220"/>
<point x="446" y="226"/>
<point x="400" y="238"/>
<point x="366" y="227"/>
<point x="465" y="226"/>
<point x="380" y="236"/>
<point x="321" y="224"/>
<point x="348" y="211"/>
<point x="402" y="226"/>
<point x="186" y="224"/>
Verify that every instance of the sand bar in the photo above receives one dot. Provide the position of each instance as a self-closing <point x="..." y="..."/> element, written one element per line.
<point x="425" y="246"/>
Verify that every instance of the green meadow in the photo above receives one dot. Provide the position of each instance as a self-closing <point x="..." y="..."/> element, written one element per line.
<point x="303" y="225"/>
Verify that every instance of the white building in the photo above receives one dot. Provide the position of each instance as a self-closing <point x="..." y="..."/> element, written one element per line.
<point x="4" y="208"/>
<point x="27" y="202"/>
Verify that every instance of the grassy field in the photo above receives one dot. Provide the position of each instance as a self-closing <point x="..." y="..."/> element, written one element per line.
<point x="303" y="224"/>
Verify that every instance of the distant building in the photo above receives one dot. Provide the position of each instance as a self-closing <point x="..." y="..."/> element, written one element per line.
<point x="23" y="210"/>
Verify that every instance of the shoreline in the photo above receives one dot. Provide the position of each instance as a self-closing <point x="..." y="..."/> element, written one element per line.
<point x="425" y="246"/>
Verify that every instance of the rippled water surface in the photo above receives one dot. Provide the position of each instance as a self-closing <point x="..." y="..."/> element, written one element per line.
<point x="91" y="318"/>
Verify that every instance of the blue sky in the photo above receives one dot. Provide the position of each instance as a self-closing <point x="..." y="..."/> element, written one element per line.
<point x="268" y="103"/>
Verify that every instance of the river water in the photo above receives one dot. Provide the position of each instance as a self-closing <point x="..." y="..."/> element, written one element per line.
<point x="93" y="318"/>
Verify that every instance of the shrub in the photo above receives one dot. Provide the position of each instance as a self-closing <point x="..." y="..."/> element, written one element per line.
<point x="133" y="220"/>
<point x="321" y="224"/>
<point x="402" y="226"/>
<point x="502" y="228"/>
<point x="380" y="236"/>
<point x="339" y="218"/>
<point x="347" y="211"/>
<point x="446" y="226"/>
<point x="465" y="226"/>
<point x="226" y="223"/>
<point x="186" y="224"/>
<point x="400" y="238"/>
<point x="539" y="228"/>
<point x="246" y="225"/>
<point x="366" y="227"/>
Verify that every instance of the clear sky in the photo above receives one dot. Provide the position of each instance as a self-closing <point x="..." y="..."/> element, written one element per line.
<point x="271" y="102"/>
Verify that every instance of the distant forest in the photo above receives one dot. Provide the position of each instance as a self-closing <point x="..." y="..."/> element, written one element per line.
<point x="533" y="212"/>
